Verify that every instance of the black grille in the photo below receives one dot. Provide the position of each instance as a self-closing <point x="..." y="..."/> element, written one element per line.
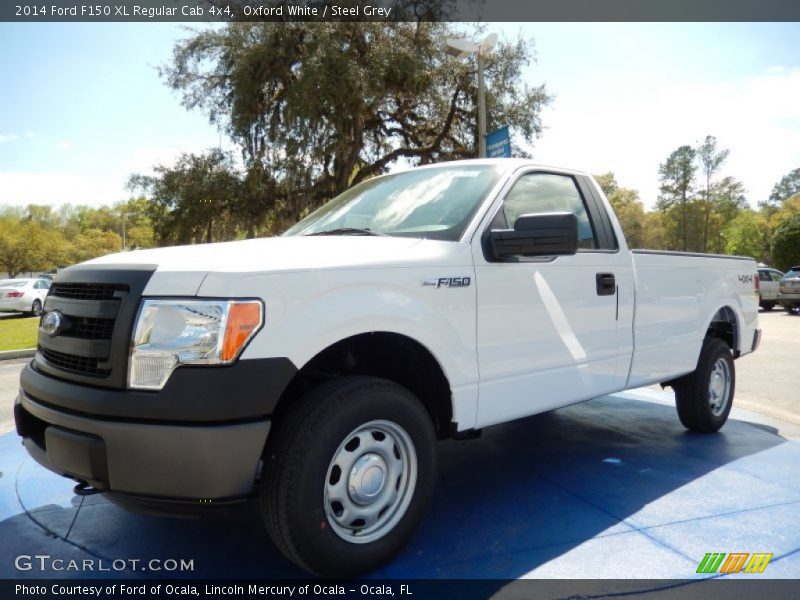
<point x="99" y="306"/>
<point x="89" y="328"/>
<point x="86" y="291"/>
<point x="77" y="364"/>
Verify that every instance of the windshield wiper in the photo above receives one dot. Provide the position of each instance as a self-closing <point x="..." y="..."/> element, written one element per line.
<point x="346" y="231"/>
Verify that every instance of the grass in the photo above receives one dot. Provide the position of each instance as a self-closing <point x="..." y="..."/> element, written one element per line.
<point x="18" y="333"/>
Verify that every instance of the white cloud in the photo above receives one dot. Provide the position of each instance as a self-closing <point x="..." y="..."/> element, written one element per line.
<point x="142" y="160"/>
<point x="634" y="129"/>
<point x="64" y="145"/>
<point x="8" y="138"/>
<point x="103" y="183"/>
<point x="19" y="188"/>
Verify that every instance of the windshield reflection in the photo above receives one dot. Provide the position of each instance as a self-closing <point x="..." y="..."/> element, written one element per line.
<point x="436" y="202"/>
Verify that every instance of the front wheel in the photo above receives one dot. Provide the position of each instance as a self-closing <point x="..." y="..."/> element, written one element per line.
<point x="705" y="396"/>
<point x="790" y="308"/>
<point x="768" y="305"/>
<point x="348" y="475"/>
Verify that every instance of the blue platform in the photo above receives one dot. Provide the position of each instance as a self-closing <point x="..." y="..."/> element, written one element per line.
<point x="612" y="488"/>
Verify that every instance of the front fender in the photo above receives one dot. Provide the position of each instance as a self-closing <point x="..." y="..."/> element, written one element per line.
<point x="307" y="312"/>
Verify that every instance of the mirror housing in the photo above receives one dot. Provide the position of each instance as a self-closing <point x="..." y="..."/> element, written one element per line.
<point x="543" y="234"/>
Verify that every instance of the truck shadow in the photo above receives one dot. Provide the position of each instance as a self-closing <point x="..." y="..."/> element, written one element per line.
<point x="506" y="505"/>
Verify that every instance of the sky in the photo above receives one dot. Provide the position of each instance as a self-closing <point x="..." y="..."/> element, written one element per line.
<point x="82" y="106"/>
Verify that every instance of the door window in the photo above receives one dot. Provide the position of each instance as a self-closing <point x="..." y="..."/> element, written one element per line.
<point x="546" y="192"/>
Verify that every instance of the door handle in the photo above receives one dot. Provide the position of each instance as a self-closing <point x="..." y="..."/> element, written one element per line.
<point x="606" y="284"/>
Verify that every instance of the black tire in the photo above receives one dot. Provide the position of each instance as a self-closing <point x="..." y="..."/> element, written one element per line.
<point x="768" y="305"/>
<point x="36" y="308"/>
<point x="299" y="471"/>
<point x="790" y="308"/>
<point x="700" y="408"/>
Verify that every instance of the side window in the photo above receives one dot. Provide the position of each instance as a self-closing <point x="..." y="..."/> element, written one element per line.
<point x="776" y="275"/>
<point x="546" y="192"/>
<point x="764" y="276"/>
<point x="38" y="285"/>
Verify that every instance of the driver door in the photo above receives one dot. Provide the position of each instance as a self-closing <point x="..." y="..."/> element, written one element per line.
<point x="547" y="329"/>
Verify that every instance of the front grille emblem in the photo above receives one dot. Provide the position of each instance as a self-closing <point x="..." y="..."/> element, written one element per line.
<point x="53" y="323"/>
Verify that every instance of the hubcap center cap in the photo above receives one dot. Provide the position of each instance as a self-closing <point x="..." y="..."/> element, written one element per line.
<point x="717" y="385"/>
<point x="367" y="478"/>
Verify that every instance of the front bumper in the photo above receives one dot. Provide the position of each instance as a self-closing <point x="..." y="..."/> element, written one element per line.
<point x="171" y="462"/>
<point x="189" y="446"/>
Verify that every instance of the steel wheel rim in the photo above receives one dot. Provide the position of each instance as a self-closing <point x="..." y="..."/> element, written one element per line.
<point x="719" y="387"/>
<point x="370" y="481"/>
<point x="37" y="308"/>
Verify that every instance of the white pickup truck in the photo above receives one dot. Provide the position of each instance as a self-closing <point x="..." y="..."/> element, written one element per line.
<point x="318" y="369"/>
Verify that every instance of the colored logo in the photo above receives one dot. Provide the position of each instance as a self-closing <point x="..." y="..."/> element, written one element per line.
<point x="52" y="323"/>
<point x="734" y="562"/>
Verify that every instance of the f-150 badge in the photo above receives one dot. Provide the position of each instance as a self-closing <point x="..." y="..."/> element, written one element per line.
<point x="449" y="282"/>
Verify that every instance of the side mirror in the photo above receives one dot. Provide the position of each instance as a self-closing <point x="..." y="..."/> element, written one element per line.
<point x="545" y="234"/>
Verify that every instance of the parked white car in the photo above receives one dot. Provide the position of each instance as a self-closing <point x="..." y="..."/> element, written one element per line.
<point x="23" y="295"/>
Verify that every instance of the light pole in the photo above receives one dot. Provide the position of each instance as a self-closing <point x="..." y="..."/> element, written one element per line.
<point x="461" y="48"/>
<point x="123" y="215"/>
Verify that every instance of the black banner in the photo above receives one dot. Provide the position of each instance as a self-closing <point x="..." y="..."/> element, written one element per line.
<point x="461" y="589"/>
<point x="397" y="10"/>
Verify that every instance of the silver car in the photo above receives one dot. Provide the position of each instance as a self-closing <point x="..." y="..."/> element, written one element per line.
<point x="789" y="291"/>
<point x="23" y="295"/>
<point x="769" y="280"/>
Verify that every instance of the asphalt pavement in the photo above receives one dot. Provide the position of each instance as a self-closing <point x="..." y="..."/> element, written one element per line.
<point x="767" y="381"/>
<point x="9" y="384"/>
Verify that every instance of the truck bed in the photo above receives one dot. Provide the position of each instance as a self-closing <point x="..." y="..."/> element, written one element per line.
<point x="677" y="295"/>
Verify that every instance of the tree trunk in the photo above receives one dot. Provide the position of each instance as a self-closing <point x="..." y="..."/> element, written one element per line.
<point x="683" y="222"/>
<point x="707" y="213"/>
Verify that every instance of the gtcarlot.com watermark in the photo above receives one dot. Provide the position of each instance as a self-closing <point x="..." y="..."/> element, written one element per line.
<point x="46" y="563"/>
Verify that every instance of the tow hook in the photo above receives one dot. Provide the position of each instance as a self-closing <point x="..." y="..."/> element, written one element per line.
<point x="84" y="489"/>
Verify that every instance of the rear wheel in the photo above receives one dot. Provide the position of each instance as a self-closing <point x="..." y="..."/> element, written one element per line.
<point x="705" y="396"/>
<point x="348" y="475"/>
<point x="36" y="308"/>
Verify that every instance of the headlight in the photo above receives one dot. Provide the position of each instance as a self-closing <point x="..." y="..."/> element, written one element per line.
<point x="170" y="333"/>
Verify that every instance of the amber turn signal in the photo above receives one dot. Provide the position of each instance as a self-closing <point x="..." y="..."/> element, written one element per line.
<point x="244" y="319"/>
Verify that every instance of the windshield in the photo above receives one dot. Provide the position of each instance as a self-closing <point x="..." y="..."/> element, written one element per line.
<point x="792" y="274"/>
<point x="433" y="203"/>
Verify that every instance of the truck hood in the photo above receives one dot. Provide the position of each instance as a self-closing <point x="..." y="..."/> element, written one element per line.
<point x="293" y="253"/>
